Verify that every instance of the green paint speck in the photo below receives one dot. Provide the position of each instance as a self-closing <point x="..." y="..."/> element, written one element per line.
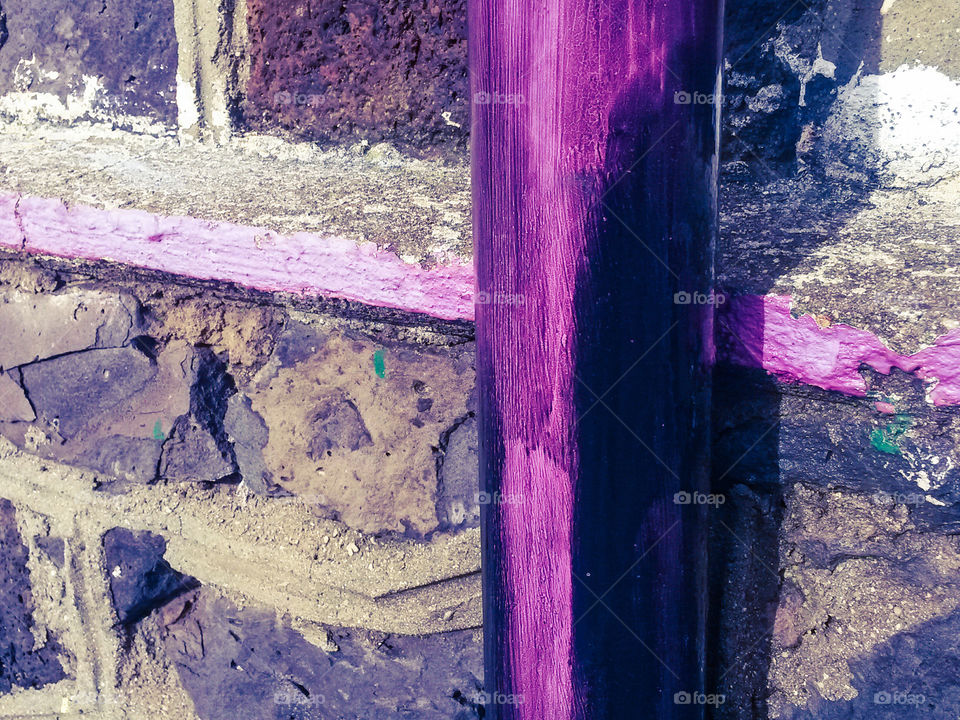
<point x="379" y="364"/>
<point x="885" y="439"/>
<point x="878" y="439"/>
<point x="158" y="432"/>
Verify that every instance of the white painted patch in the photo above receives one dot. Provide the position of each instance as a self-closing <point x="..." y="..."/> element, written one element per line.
<point x="188" y="112"/>
<point x="904" y="124"/>
<point x="924" y="473"/>
<point x="29" y="106"/>
<point x="88" y="101"/>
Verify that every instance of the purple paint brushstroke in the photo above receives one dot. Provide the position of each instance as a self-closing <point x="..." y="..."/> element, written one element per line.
<point x="759" y="331"/>
<point x="255" y="257"/>
<point x="568" y="98"/>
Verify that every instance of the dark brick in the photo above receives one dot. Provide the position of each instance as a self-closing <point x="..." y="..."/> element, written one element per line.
<point x="192" y="455"/>
<point x="129" y="45"/>
<point x="769" y="434"/>
<point x="458" y="503"/>
<point x="249" y="436"/>
<point x="121" y="456"/>
<point x="209" y="397"/>
<point x="335" y="71"/>
<point x="71" y="391"/>
<point x="22" y="663"/>
<point x="132" y="412"/>
<point x="239" y="664"/>
<point x="140" y="579"/>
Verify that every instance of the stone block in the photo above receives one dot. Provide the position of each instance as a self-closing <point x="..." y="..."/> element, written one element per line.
<point x="137" y="413"/>
<point x="249" y="663"/>
<point x="37" y="327"/>
<point x="140" y="579"/>
<point x="331" y="71"/>
<point x="67" y="61"/>
<point x="355" y="427"/>
<point x="458" y="504"/>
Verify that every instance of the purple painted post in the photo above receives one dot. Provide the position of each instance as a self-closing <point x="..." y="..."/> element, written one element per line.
<point x="595" y="167"/>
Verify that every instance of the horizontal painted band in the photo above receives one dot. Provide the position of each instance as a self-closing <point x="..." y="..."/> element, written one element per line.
<point x="756" y="331"/>
<point x="254" y="257"/>
<point x="760" y="331"/>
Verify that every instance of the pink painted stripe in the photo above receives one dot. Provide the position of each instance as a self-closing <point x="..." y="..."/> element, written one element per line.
<point x="302" y="263"/>
<point x="756" y="331"/>
<point x="759" y="331"/>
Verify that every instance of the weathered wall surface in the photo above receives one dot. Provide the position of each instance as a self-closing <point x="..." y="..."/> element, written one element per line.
<point x="154" y="385"/>
<point x="364" y="70"/>
<point x="238" y="454"/>
<point x="834" y="555"/>
<point x="76" y="61"/>
<point x="287" y="486"/>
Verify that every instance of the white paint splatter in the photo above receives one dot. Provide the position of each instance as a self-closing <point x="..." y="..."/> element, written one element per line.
<point x="904" y="124"/>
<point x="88" y="101"/>
<point x="188" y="112"/>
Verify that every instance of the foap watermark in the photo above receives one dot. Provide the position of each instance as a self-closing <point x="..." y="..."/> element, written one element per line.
<point x="881" y="497"/>
<point x="498" y="298"/>
<point x="900" y="301"/>
<point x="885" y="697"/>
<point x="291" y="696"/>
<point x="486" y="699"/>
<point x="698" y="498"/>
<point x="698" y="298"/>
<point x="698" y="698"/>
<point x="684" y="97"/>
<point x="300" y="99"/>
<point x="482" y="97"/>
<point x="498" y="498"/>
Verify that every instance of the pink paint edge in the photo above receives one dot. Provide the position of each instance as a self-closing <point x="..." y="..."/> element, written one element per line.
<point x="255" y="257"/>
<point x="759" y="331"/>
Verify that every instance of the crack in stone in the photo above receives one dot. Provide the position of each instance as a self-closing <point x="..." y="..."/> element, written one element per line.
<point x="17" y="216"/>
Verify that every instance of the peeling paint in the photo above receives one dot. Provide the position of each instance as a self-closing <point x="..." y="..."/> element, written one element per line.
<point x="760" y="331"/>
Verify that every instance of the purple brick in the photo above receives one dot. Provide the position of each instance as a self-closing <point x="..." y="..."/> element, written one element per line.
<point x="364" y="69"/>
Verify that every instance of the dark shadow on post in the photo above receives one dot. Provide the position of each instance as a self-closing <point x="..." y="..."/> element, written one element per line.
<point x="643" y="405"/>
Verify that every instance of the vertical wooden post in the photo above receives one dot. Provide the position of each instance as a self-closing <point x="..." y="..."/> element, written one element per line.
<point x="595" y="167"/>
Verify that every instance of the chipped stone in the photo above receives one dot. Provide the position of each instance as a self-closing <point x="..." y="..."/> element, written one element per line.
<point x="37" y="327"/>
<point x="14" y="406"/>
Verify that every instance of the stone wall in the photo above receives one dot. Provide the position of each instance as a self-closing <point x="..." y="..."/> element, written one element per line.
<point x="265" y="506"/>
<point x="238" y="447"/>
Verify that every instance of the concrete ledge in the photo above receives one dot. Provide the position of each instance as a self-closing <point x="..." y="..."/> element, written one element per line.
<point x="272" y="554"/>
<point x="362" y="224"/>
